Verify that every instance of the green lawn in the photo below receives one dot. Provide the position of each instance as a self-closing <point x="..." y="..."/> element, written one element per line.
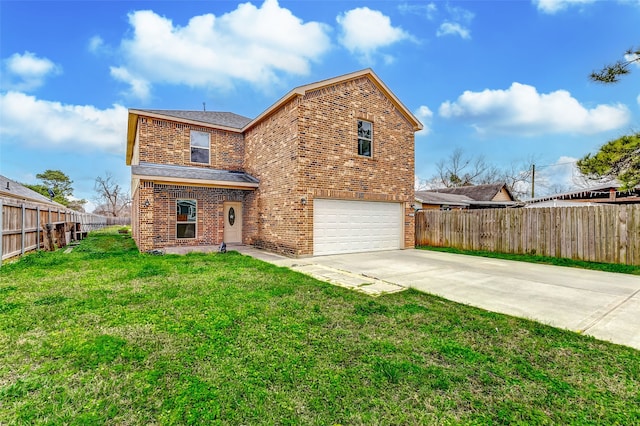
<point x="532" y="258"/>
<point x="105" y="335"/>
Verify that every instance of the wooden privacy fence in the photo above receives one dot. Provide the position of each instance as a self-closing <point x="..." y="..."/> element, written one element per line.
<point x="608" y="234"/>
<point x="27" y="226"/>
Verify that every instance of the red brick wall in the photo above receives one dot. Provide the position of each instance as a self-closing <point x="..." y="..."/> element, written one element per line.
<point x="309" y="148"/>
<point x="169" y="142"/>
<point x="157" y="222"/>
<point x="272" y="157"/>
<point x="143" y="233"/>
<point x="329" y="156"/>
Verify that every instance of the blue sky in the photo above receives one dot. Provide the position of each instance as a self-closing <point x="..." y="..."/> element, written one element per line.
<point x="503" y="79"/>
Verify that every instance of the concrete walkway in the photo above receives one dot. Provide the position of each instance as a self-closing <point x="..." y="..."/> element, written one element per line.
<point x="602" y="304"/>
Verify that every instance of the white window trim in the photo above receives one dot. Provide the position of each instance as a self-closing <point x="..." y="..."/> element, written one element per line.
<point x="367" y="139"/>
<point x="195" y="222"/>
<point x="200" y="147"/>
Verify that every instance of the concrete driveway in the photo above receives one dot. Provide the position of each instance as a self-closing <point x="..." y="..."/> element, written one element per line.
<point x="602" y="304"/>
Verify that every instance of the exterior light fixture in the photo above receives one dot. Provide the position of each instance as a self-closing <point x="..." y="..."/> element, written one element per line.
<point x="146" y="203"/>
<point x="303" y="200"/>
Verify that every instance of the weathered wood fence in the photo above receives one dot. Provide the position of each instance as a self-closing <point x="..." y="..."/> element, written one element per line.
<point x="27" y="226"/>
<point x="595" y="233"/>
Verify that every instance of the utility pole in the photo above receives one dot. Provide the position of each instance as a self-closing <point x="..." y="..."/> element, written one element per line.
<point x="533" y="180"/>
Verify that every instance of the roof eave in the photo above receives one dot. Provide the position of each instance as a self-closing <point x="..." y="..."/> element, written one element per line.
<point x="132" y="126"/>
<point x="196" y="182"/>
<point x="184" y="120"/>
<point x="302" y="90"/>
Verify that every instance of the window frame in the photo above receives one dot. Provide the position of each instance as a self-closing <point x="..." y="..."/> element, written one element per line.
<point x="362" y="138"/>
<point x="188" y="221"/>
<point x="196" y="147"/>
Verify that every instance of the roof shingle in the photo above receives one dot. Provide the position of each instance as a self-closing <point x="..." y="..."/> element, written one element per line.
<point x="217" y="118"/>
<point x="186" y="172"/>
<point x="476" y="192"/>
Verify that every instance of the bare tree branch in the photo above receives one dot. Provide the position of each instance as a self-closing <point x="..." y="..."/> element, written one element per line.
<point x="111" y="196"/>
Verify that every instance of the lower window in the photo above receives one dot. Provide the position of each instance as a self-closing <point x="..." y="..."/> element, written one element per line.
<point x="186" y="215"/>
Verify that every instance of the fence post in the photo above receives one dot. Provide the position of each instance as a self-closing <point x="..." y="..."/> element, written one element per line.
<point x="22" y="236"/>
<point x="1" y="234"/>
<point x="38" y="229"/>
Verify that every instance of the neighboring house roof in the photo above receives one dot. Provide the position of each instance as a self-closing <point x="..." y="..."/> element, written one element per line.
<point x="559" y="203"/>
<point x="477" y="192"/>
<point x="194" y="175"/>
<point x="12" y="189"/>
<point x="431" y="197"/>
<point x="604" y="193"/>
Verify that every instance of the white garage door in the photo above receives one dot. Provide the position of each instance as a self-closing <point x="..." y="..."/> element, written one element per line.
<point x="353" y="226"/>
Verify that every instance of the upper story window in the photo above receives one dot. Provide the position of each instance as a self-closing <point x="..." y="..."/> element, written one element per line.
<point x="365" y="138"/>
<point x="200" y="147"/>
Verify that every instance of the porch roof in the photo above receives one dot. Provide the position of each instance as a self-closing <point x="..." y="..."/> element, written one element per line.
<point x="185" y="175"/>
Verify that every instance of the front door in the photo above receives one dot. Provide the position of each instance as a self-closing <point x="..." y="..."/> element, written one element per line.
<point x="232" y="222"/>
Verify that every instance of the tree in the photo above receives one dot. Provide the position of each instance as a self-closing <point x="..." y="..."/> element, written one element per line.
<point x="111" y="197"/>
<point x="60" y="184"/>
<point x="611" y="73"/>
<point x="460" y="170"/>
<point x="617" y="159"/>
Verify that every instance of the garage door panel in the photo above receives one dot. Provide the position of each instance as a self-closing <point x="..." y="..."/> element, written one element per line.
<point x="341" y="226"/>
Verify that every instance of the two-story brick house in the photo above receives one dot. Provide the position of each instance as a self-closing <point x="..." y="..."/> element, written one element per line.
<point x="329" y="168"/>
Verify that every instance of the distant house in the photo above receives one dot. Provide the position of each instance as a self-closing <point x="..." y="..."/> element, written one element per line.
<point x="12" y="190"/>
<point x="466" y="197"/>
<point x="30" y="221"/>
<point x="609" y="193"/>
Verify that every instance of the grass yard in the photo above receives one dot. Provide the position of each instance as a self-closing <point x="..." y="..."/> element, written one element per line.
<point x="558" y="261"/>
<point x="105" y="335"/>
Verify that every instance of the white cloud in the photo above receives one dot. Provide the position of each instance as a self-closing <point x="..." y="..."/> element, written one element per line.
<point x="638" y="99"/>
<point x="428" y="10"/>
<point x="364" y="31"/>
<point x="453" y="28"/>
<point x="31" y="121"/>
<point x="425" y="115"/>
<point x="561" y="176"/>
<point x="460" y="14"/>
<point x="457" y="24"/>
<point x="248" y="44"/>
<point x="139" y="87"/>
<point x="633" y="57"/>
<point x="27" y="71"/>
<point x="96" y="43"/>
<point x="522" y="110"/>
<point x="553" y="6"/>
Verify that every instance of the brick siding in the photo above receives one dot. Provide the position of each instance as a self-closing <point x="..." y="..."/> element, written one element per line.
<point x="305" y="149"/>
<point x="309" y="149"/>
<point x="169" y="142"/>
<point x="158" y="221"/>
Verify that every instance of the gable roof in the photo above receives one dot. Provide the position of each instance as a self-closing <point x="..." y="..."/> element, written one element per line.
<point x="237" y="123"/>
<point x="12" y="189"/>
<point x="477" y="192"/>
<point x="368" y="72"/>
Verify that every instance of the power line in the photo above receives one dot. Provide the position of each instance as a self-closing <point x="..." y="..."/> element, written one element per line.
<point x="556" y="164"/>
